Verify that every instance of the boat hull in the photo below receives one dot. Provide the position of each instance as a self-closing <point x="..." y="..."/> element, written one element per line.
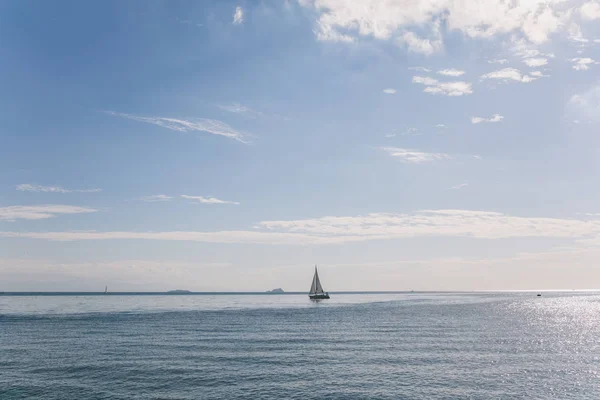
<point x="318" y="296"/>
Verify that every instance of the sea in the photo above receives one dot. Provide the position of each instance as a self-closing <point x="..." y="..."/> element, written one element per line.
<point x="258" y="346"/>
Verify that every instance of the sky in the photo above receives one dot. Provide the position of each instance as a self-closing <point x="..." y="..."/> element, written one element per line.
<point x="233" y="145"/>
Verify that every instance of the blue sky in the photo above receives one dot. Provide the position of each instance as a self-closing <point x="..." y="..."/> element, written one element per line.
<point x="232" y="145"/>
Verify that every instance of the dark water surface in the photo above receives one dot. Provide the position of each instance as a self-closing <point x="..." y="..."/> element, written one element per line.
<point x="370" y="346"/>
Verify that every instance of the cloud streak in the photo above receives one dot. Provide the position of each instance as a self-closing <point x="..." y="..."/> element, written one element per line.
<point x="494" y="118"/>
<point x="451" y="72"/>
<point x="583" y="64"/>
<point x="433" y="86"/>
<point x="13" y="213"/>
<point x="211" y="126"/>
<point x="155" y="198"/>
<point x="507" y="75"/>
<point x="414" y="156"/>
<point x="375" y="226"/>
<point x="27" y="187"/>
<point x="459" y="186"/>
<point x="208" y="200"/>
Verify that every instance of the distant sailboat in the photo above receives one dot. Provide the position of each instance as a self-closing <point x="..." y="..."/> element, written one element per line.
<point x="316" y="290"/>
<point x="105" y="289"/>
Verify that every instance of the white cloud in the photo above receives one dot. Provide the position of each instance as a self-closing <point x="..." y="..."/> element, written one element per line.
<point x="582" y="64"/>
<point x="586" y="105"/>
<point x="466" y="223"/>
<point x="208" y="200"/>
<point x="238" y="16"/>
<point x="451" y="72"/>
<point x="459" y="186"/>
<point x="414" y="156"/>
<point x="156" y="198"/>
<point x="433" y="86"/>
<point x="238" y="108"/>
<point x="389" y="91"/>
<point x="420" y="69"/>
<point x="508" y="74"/>
<point x="374" y="226"/>
<point x="535" y="62"/>
<point x="206" y="237"/>
<point x="390" y="135"/>
<point x="27" y="187"/>
<point x="395" y="20"/>
<point x="538" y="74"/>
<point x="441" y="126"/>
<point x="410" y="131"/>
<point x="590" y="10"/>
<point x="13" y="213"/>
<point x="420" y="45"/>
<point x="212" y="126"/>
<point x="498" y="61"/>
<point x="494" y="118"/>
<point x="575" y="34"/>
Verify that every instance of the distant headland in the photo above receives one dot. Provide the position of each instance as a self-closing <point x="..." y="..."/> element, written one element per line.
<point x="178" y="291"/>
<point x="278" y="290"/>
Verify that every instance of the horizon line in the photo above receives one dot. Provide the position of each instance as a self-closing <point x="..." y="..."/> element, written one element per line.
<point x="175" y="293"/>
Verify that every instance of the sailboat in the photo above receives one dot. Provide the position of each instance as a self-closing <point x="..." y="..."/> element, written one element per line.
<point x="105" y="289"/>
<point x="316" y="290"/>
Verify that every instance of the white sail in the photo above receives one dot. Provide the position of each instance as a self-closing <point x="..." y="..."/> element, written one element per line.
<point x="316" y="287"/>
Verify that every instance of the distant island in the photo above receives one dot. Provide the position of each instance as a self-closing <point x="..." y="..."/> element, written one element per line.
<point x="278" y="290"/>
<point x="178" y="291"/>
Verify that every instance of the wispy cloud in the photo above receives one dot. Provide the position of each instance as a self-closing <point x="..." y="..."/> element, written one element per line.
<point x="441" y="126"/>
<point x="389" y="91"/>
<point x="208" y="200"/>
<point x="583" y="64"/>
<point x="586" y="105"/>
<point x="498" y="61"/>
<point x="465" y="223"/>
<point x="27" y="187"/>
<point x="459" y="186"/>
<point x="155" y="198"/>
<point x="416" y="44"/>
<point x="13" y="213"/>
<point x="212" y="126"/>
<point x="508" y="74"/>
<point x="373" y="226"/>
<point x="433" y="86"/>
<point x="539" y="74"/>
<point x="238" y="108"/>
<point x="420" y="69"/>
<point x="493" y="118"/>
<point x="451" y="72"/>
<point x="238" y="15"/>
<point x="273" y="238"/>
<point x="414" y="156"/>
<point x="535" y="62"/>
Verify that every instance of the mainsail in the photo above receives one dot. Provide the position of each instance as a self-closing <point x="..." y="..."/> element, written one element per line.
<point x="316" y="287"/>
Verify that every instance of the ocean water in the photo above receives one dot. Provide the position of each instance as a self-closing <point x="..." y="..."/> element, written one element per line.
<point x="354" y="346"/>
